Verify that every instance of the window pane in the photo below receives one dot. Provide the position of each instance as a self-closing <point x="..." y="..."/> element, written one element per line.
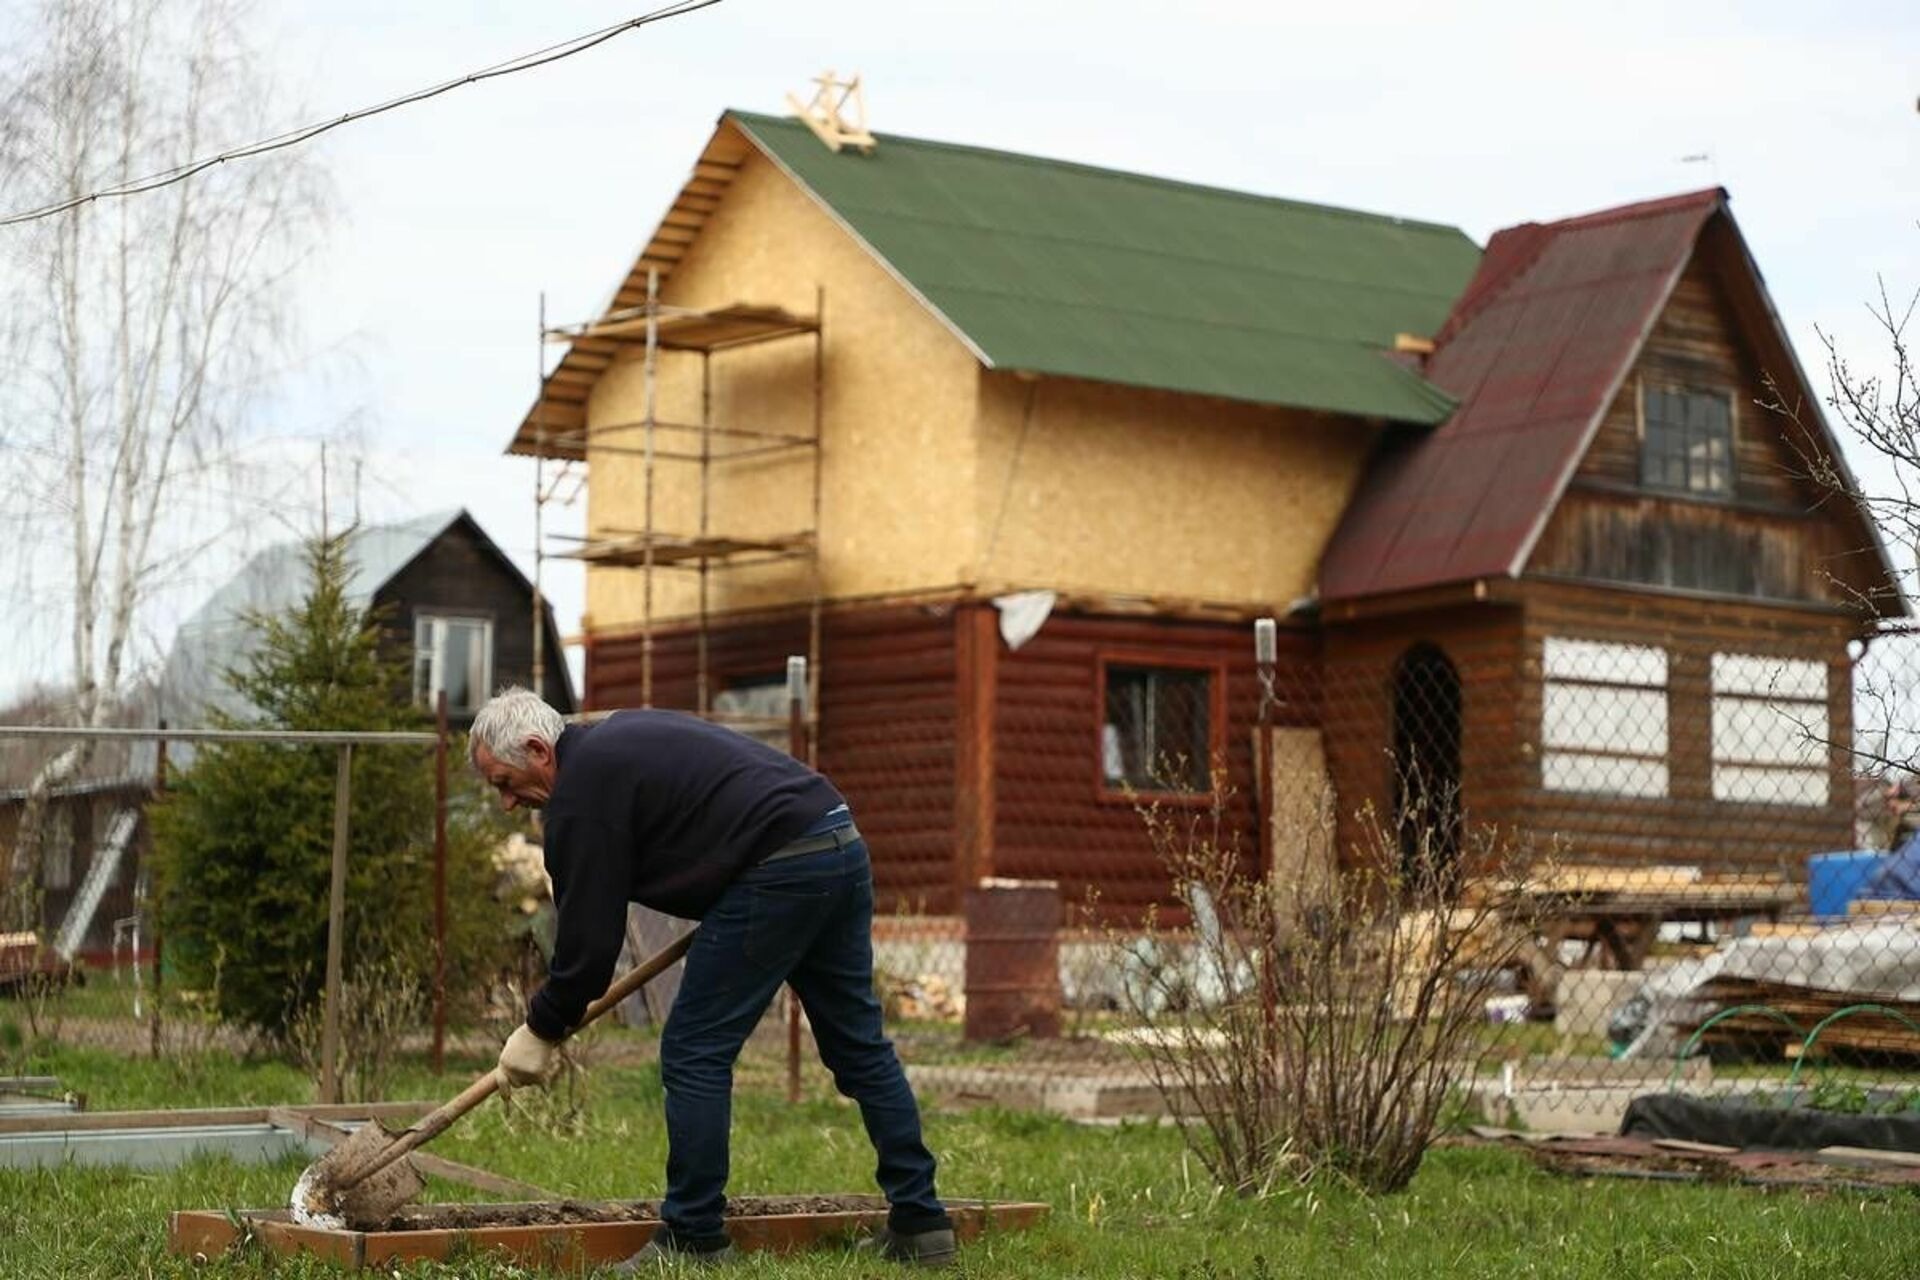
<point x="1571" y="771"/>
<point x="1805" y="787"/>
<point x="1156" y="736"/>
<point x="1687" y="443"/>
<point x="1600" y="719"/>
<point x="1746" y="731"/>
<point x="1638" y="664"/>
<point x="454" y="656"/>
<point x="1771" y="677"/>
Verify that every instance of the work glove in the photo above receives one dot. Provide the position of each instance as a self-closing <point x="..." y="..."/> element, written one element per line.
<point x="527" y="1059"/>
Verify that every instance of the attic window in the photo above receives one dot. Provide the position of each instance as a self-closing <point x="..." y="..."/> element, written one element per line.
<point x="1686" y="441"/>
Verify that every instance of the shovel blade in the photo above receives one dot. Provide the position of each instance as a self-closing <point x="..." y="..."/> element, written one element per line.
<point x="320" y="1199"/>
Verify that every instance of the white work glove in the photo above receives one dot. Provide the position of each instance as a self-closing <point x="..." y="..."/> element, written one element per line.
<point x="527" y="1059"/>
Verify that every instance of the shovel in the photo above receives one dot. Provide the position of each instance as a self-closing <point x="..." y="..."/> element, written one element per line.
<point x="361" y="1182"/>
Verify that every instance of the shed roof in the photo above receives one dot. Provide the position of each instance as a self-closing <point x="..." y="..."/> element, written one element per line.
<point x="219" y="635"/>
<point x="1057" y="268"/>
<point x="1535" y="351"/>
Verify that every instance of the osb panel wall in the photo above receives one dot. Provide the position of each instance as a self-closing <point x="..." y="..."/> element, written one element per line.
<point x="1356" y="714"/>
<point x="1768" y="541"/>
<point x="886" y="729"/>
<point x="1053" y="819"/>
<point x="1107" y="489"/>
<point x="1688" y="826"/>
<point x="899" y="393"/>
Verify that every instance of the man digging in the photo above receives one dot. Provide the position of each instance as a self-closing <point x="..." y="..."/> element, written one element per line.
<point x="697" y="821"/>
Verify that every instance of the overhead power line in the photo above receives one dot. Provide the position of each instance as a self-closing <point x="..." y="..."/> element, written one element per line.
<point x="293" y="137"/>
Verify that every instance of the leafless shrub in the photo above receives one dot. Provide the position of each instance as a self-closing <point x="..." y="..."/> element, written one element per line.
<point x="1319" y="1027"/>
<point x="381" y="1002"/>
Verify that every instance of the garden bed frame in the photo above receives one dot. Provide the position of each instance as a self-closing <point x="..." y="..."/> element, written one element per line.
<point x="204" y="1234"/>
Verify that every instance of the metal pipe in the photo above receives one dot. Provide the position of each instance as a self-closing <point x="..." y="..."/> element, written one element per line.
<point x="539" y="507"/>
<point x="440" y="882"/>
<point x="302" y="737"/>
<point x="701" y="693"/>
<point x="818" y="574"/>
<point x="336" y="928"/>
<point x="651" y="379"/>
<point x="153" y="1013"/>
<point x="797" y="747"/>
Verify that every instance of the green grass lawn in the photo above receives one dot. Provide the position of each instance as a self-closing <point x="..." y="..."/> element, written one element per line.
<point x="1126" y="1201"/>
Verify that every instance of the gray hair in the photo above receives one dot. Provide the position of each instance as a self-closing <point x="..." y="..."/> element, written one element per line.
<point x="510" y="718"/>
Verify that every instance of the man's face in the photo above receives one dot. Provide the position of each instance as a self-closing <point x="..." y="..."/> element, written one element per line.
<point x="526" y="786"/>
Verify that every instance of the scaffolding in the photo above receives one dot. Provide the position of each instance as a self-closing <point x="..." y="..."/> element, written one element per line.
<point x="659" y="329"/>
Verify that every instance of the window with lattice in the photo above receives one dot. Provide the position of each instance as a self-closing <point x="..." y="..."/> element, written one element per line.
<point x="1686" y="443"/>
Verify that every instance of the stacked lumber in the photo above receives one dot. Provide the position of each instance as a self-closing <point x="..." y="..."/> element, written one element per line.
<point x="1867" y="1030"/>
<point x="1671" y="889"/>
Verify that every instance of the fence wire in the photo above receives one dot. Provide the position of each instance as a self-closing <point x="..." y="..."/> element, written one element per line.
<point x="1710" y="848"/>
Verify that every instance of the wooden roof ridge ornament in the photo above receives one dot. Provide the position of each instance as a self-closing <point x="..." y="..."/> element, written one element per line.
<point x="827" y="113"/>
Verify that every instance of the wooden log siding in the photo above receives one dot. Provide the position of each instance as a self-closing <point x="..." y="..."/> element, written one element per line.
<point x="886" y="728"/>
<point x="1053" y="818"/>
<point x="1688" y="826"/>
<point x="1769" y="539"/>
<point x="1356" y="698"/>
<point x="458" y="577"/>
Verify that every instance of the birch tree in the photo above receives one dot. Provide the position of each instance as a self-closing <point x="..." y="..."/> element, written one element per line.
<point x="141" y="329"/>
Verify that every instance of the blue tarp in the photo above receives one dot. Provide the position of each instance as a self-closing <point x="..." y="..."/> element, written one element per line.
<point x="1898" y="876"/>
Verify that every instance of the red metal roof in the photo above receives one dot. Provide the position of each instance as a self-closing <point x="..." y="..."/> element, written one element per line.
<point x="1534" y="350"/>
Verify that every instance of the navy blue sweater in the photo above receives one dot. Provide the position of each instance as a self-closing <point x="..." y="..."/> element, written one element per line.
<point x="659" y="808"/>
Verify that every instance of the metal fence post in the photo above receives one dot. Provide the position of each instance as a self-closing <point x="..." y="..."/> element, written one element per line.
<point x="336" y="914"/>
<point x="1266" y="652"/>
<point x="153" y="1014"/>
<point x="440" y="882"/>
<point x="797" y="747"/>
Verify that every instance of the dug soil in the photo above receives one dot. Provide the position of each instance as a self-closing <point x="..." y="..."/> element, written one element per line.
<point x="468" y="1217"/>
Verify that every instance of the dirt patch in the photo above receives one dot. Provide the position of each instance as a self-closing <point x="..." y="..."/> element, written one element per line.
<point x="469" y="1217"/>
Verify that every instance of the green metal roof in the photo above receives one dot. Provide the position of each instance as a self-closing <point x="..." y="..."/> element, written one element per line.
<point x="1092" y="273"/>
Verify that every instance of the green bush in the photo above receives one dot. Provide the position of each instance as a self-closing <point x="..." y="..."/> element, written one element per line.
<point x="243" y="843"/>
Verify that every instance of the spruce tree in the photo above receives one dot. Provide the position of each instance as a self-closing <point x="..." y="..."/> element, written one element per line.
<point x="243" y="843"/>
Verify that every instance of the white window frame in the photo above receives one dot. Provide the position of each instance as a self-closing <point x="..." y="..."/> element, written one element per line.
<point x="429" y="640"/>
<point x="1604" y="718"/>
<point x="1771" y="730"/>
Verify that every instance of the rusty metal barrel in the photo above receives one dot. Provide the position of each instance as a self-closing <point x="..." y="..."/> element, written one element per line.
<point x="1013" y="960"/>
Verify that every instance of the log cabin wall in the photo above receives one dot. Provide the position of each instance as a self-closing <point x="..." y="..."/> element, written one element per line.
<point x="887" y="726"/>
<point x="1769" y="538"/>
<point x="459" y="575"/>
<point x="1054" y="816"/>
<point x="1362" y="678"/>
<point x="1759" y="567"/>
<point x="1687" y="825"/>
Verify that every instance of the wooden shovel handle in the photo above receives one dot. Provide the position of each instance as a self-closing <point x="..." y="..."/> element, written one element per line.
<point x="437" y="1121"/>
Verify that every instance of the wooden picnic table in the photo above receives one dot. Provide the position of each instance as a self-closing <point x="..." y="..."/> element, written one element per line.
<point x="1617" y="912"/>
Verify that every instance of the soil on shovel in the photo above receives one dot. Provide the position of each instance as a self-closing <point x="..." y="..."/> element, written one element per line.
<point x="468" y="1217"/>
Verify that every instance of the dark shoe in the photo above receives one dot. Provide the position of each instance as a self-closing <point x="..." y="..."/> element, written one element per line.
<point x="935" y="1248"/>
<point x="664" y="1251"/>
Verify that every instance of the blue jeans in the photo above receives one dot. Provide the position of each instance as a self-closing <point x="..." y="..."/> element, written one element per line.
<point x="805" y="920"/>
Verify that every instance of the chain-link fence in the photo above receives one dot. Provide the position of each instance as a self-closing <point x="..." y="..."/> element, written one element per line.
<point x="1696" y="836"/>
<point x="1701" y="830"/>
<point x="83" y="961"/>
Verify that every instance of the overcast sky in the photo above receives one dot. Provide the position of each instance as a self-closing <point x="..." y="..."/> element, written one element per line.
<point x="422" y="308"/>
